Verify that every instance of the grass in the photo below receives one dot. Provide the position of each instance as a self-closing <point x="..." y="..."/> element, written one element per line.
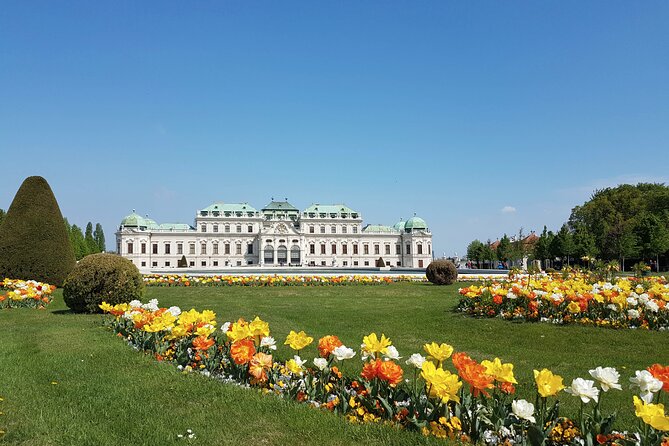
<point x="107" y="394"/>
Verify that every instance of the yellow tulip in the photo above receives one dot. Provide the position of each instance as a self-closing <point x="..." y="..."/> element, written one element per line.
<point x="439" y="352"/>
<point x="501" y="372"/>
<point x="547" y="383"/>
<point x="441" y="383"/>
<point x="297" y="341"/>
<point x="375" y="345"/>
<point x="651" y="414"/>
<point x="259" y="327"/>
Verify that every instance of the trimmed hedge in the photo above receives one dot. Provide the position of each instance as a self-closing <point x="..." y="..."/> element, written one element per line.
<point x="442" y="272"/>
<point x="102" y="277"/>
<point x="34" y="243"/>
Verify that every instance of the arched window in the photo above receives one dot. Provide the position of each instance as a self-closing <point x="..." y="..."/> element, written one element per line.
<point x="268" y="254"/>
<point x="282" y="255"/>
<point x="295" y="255"/>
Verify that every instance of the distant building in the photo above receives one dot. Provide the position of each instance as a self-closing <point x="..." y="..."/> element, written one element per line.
<point x="236" y="234"/>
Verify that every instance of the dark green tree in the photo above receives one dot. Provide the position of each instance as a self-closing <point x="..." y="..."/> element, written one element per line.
<point x="504" y="249"/>
<point x="488" y="255"/>
<point x="99" y="237"/>
<point x="565" y="243"/>
<point x="2" y="215"/>
<point x="542" y="248"/>
<point x="91" y="246"/>
<point x="33" y="239"/>
<point x="653" y="233"/>
<point x="475" y="252"/>
<point x="584" y="242"/>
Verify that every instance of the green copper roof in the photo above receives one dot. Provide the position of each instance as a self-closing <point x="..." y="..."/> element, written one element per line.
<point x="415" y="223"/>
<point x="133" y="220"/>
<point x="399" y="226"/>
<point x="229" y="207"/>
<point x="330" y="209"/>
<point x="378" y="229"/>
<point x="282" y="206"/>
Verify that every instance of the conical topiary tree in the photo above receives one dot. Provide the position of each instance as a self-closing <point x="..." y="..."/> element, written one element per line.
<point x="34" y="243"/>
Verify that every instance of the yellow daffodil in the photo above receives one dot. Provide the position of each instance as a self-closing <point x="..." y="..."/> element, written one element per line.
<point x="651" y="414"/>
<point x="439" y="352"/>
<point x="547" y="383"/>
<point x="239" y="330"/>
<point x="297" y="341"/>
<point x="501" y="372"/>
<point x="293" y="367"/>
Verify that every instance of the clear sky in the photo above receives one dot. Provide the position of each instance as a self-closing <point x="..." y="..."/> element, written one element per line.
<point x="480" y="117"/>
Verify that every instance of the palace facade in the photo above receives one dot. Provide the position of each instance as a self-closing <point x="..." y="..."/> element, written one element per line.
<point x="236" y="234"/>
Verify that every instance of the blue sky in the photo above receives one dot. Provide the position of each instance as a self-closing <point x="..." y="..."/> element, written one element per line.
<point x="481" y="117"/>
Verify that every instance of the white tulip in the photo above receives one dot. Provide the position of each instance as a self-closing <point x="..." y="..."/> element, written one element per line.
<point x="523" y="410"/>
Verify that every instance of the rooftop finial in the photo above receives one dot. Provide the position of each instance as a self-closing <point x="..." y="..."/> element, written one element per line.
<point x="285" y="198"/>
<point x="272" y="198"/>
<point x="133" y="211"/>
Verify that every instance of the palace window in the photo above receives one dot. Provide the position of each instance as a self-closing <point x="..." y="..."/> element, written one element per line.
<point x="333" y="229"/>
<point x="343" y="229"/>
<point x="180" y="248"/>
<point x="238" y="249"/>
<point x="143" y="248"/>
<point x="322" y="249"/>
<point x="355" y="229"/>
<point x="295" y="255"/>
<point x="365" y="249"/>
<point x="154" y="248"/>
<point x="387" y="249"/>
<point x="420" y="264"/>
<point x="420" y="248"/>
<point x="191" y="250"/>
<point x="168" y="248"/>
<point x="154" y="264"/>
<point x="311" y="229"/>
<point x="143" y="263"/>
<point x="366" y="263"/>
<point x="214" y="249"/>
<point x="322" y="229"/>
<point x="249" y="228"/>
<point x="215" y="228"/>
<point x="376" y="249"/>
<point x="334" y="248"/>
<point x="355" y="249"/>
<point x="203" y="228"/>
<point x="203" y="248"/>
<point x="344" y="249"/>
<point x="408" y="248"/>
<point x="249" y="248"/>
<point x="312" y="249"/>
<point x="227" y="228"/>
<point x="227" y="248"/>
<point x="398" y="249"/>
<point x="167" y="263"/>
<point x="239" y="228"/>
<point x="204" y="263"/>
<point x="215" y="262"/>
<point x="130" y="247"/>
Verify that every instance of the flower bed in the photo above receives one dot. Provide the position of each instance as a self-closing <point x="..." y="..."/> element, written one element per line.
<point x="273" y="280"/>
<point x="25" y="294"/>
<point x="622" y="303"/>
<point x="476" y="404"/>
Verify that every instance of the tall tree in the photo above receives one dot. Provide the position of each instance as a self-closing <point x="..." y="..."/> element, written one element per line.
<point x="565" y="243"/>
<point x="475" y="252"/>
<point x="2" y="215"/>
<point x="99" y="237"/>
<point x="584" y="242"/>
<point x="653" y="233"/>
<point x="78" y="242"/>
<point x="488" y="254"/>
<point x="504" y="249"/>
<point x="33" y="239"/>
<point x="542" y="247"/>
<point x="91" y="246"/>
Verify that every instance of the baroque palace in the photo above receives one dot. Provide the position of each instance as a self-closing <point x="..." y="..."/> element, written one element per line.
<point x="236" y="234"/>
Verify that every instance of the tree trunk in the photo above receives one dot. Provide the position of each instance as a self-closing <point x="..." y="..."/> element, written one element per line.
<point x="657" y="263"/>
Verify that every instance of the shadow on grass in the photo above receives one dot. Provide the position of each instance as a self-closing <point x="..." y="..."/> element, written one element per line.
<point x="61" y="312"/>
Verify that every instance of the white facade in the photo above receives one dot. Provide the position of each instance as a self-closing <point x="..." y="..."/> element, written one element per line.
<point x="236" y="234"/>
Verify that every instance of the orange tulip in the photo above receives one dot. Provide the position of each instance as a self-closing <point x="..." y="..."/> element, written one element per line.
<point x="242" y="351"/>
<point x="662" y="373"/>
<point x="371" y="369"/>
<point x="327" y="344"/>
<point x="390" y="372"/>
<point x="202" y="343"/>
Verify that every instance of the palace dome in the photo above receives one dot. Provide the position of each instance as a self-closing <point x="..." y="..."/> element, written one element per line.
<point x="415" y="223"/>
<point x="133" y="220"/>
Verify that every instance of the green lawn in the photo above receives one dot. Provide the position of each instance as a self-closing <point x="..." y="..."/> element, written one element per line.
<point x="108" y="394"/>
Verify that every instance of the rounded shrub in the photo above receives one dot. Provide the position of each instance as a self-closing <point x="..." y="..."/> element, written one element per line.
<point x="34" y="244"/>
<point x="442" y="272"/>
<point x="102" y="277"/>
